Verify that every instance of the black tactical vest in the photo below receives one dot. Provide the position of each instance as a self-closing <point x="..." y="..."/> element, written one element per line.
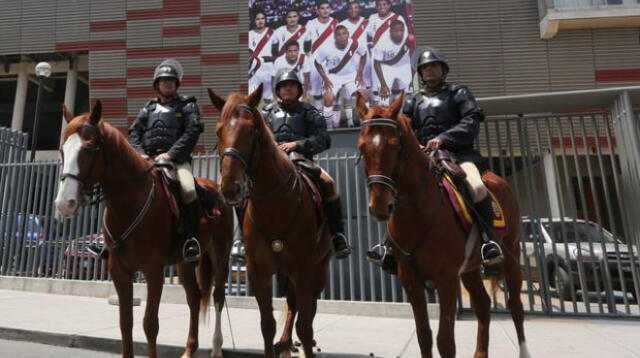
<point x="164" y="126"/>
<point x="287" y="125"/>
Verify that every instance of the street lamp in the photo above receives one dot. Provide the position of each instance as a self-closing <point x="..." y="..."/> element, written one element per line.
<point x="43" y="70"/>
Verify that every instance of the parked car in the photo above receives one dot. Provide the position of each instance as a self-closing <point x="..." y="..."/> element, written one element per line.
<point x="80" y="263"/>
<point x="569" y="246"/>
<point x="28" y="240"/>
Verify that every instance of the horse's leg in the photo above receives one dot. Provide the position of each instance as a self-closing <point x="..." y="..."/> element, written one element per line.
<point x="513" y="278"/>
<point x="482" y="306"/>
<point x="155" y="281"/>
<point x="447" y="290"/>
<point x="124" y="287"/>
<point x="414" y="287"/>
<point x="286" y="341"/>
<point x="221" y="271"/>
<point x="306" y="312"/>
<point x="187" y="275"/>
<point x="261" y="285"/>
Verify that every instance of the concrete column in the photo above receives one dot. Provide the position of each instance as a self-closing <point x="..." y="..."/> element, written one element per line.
<point x="70" y="92"/>
<point x="21" y="97"/>
<point x="552" y="181"/>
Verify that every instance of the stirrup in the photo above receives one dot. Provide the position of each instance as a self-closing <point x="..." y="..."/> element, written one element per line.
<point x="344" y="252"/>
<point x="494" y="260"/>
<point x="377" y="254"/>
<point x="187" y="246"/>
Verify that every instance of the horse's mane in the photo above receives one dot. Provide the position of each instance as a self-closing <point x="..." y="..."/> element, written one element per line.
<point x="114" y="139"/>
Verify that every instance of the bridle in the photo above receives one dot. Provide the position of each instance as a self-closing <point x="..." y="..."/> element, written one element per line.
<point x="390" y="182"/>
<point x="94" y="157"/>
<point x="233" y="152"/>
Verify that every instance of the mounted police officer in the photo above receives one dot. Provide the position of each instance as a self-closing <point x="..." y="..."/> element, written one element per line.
<point x="447" y="116"/>
<point x="167" y="130"/>
<point x="301" y="131"/>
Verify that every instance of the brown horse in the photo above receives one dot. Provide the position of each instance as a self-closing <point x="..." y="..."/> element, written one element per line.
<point x="282" y="232"/>
<point x="141" y="226"/>
<point x="428" y="242"/>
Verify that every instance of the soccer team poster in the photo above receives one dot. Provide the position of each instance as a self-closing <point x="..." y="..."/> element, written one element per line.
<point x="336" y="47"/>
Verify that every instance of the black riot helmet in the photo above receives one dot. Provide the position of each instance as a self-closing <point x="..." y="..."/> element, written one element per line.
<point x="285" y="75"/>
<point x="432" y="55"/>
<point x="169" y="68"/>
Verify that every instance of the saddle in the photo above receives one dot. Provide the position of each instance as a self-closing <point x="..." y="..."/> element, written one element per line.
<point x="310" y="173"/>
<point x="446" y="161"/>
<point x="459" y="197"/>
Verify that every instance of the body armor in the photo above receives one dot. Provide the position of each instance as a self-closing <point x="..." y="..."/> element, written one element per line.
<point x="299" y="122"/>
<point x="161" y="128"/>
<point x="452" y="114"/>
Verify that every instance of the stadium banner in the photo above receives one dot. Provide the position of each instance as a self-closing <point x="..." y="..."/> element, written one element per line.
<point x="336" y="47"/>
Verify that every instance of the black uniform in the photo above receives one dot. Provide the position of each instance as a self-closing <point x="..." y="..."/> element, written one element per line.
<point x="301" y="123"/>
<point x="172" y="127"/>
<point x="453" y="115"/>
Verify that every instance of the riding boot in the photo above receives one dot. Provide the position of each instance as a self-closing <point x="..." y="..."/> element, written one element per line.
<point x="490" y="249"/>
<point x="336" y="226"/>
<point x="382" y="255"/>
<point x="191" y="247"/>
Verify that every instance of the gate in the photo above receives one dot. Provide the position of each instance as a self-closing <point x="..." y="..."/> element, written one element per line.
<point x="571" y="173"/>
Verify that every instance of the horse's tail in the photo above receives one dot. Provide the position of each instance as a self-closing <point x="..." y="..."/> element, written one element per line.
<point x="205" y="281"/>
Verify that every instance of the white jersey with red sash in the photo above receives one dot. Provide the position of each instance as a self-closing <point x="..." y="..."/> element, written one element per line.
<point x="341" y="65"/>
<point x="395" y="60"/>
<point x="300" y="65"/>
<point x="358" y="32"/>
<point x="282" y="35"/>
<point x="259" y="69"/>
<point x="377" y="29"/>
<point x="320" y="34"/>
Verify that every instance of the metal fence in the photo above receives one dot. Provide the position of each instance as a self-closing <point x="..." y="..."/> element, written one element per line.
<point x="579" y="252"/>
<point x="13" y="145"/>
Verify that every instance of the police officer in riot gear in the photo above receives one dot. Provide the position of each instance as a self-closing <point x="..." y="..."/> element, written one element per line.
<point x="301" y="131"/>
<point x="447" y="116"/>
<point x="167" y="129"/>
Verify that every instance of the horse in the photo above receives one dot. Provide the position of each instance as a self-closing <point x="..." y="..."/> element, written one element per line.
<point x="283" y="233"/>
<point x="140" y="227"/>
<point x="427" y="240"/>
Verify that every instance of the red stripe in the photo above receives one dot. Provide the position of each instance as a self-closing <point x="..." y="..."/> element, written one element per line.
<point x="140" y="72"/>
<point x="244" y="87"/>
<point x="181" y="8"/>
<point x="141" y="92"/>
<point x="107" y="83"/>
<point x="199" y="148"/>
<point x="617" y="75"/>
<point x="72" y="46"/>
<point x="115" y="25"/>
<point x="144" y="14"/>
<point x="113" y="107"/>
<point x="220" y="19"/>
<point x="98" y="45"/>
<point x="208" y="110"/>
<point x="188" y="50"/>
<point x="243" y="38"/>
<point x="221" y="59"/>
<point x="191" y="81"/>
<point x="181" y="31"/>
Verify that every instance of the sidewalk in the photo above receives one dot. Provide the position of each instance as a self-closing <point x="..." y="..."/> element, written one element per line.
<point x="93" y="324"/>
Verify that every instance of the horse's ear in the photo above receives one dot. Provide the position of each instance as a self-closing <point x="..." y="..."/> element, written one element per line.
<point x="216" y="100"/>
<point x="96" y="113"/>
<point x="361" y="103"/>
<point x="66" y="114"/>
<point x="397" y="105"/>
<point x="255" y="97"/>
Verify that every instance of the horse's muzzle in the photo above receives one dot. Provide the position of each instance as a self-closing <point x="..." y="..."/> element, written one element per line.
<point x="382" y="212"/>
<point x="234" y="193"/>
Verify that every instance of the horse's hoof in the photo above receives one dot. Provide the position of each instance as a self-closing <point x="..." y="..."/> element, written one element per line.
<point x="282" y="347"/>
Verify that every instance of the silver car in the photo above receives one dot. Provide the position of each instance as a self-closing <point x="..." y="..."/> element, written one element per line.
<point x="577" y="253"/>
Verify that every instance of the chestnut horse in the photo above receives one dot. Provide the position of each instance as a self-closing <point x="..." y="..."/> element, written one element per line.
<point x="139" y="219"/>
<point x="282" y="232"/>
<point x="428" y="242"/>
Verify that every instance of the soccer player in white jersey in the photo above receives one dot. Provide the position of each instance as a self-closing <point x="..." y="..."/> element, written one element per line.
<point x="341" y="65"/>
<point x="357" y="27"/>
<point x="392" y="62"/>
<point x="290" y="31"/>
<point x="261" y="60"/>
<point x="319" y="34"/>
<point x="379" y="26"/>
<point x="295" y="60"/>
